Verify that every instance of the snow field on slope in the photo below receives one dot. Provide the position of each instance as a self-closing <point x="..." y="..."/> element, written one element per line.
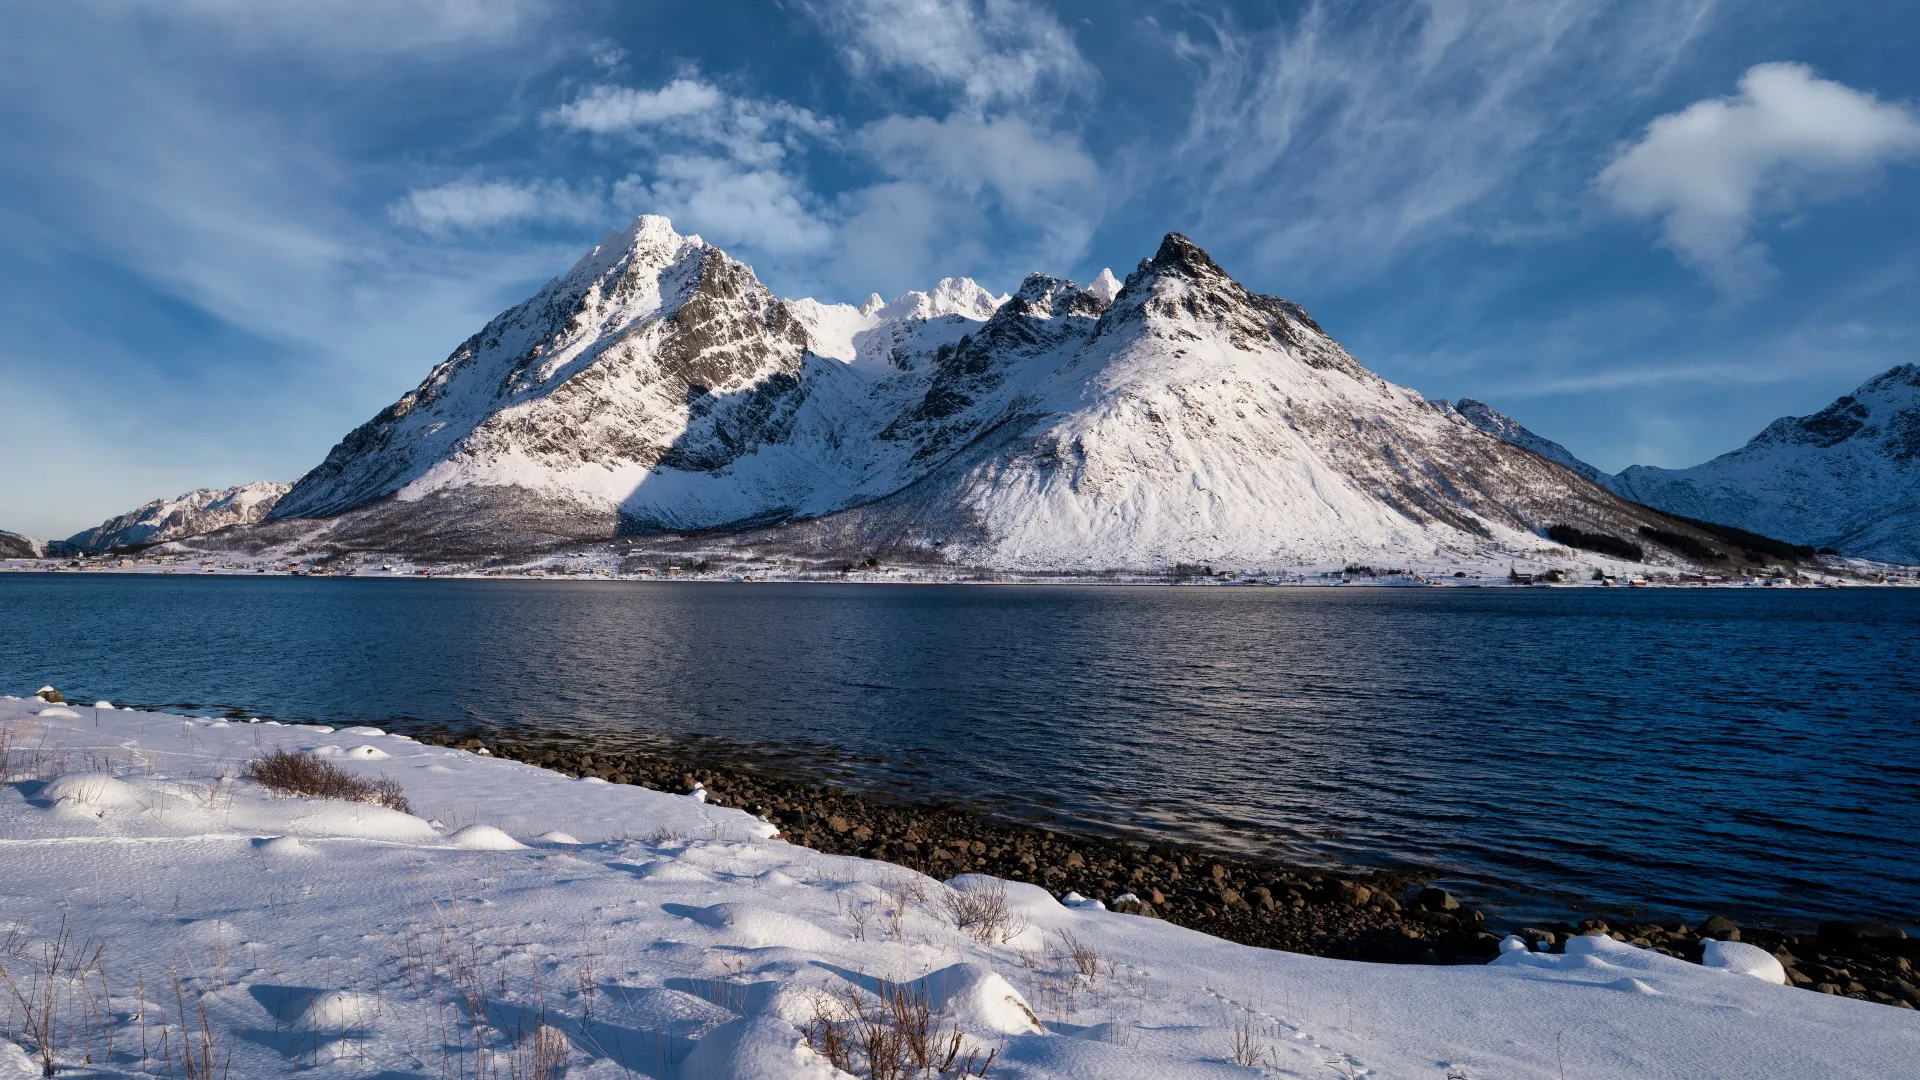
<point x="639" y="933"/>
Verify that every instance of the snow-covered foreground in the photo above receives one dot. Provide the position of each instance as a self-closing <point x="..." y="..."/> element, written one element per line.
<point x="652" y="934"/>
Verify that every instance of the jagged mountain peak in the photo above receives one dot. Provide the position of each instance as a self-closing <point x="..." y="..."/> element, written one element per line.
<point x="1183" y="292"/>
<point x="1105" y="286"/>
<point x="1884" y="410"/>
<point x="1043" y="296"/>
<point x="1179" y="255"/>
<point x="961" y="296"/>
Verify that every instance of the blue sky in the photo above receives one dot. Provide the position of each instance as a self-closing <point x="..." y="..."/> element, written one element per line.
<point x="231" y="231"/>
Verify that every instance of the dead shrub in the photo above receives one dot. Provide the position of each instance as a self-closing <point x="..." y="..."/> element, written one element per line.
<point x="292" y="773"/>
<point x="982" y="914"/>
<point x="892" y="1037"/>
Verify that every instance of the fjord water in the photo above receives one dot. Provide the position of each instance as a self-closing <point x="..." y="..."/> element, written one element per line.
<point x="1550" y="751"/>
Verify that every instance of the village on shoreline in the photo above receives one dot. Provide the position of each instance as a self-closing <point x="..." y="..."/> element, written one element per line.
<point x="613" y="565"/>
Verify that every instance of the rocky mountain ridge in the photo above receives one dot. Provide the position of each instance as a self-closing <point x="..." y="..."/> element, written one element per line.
<point x="202" y="510"/>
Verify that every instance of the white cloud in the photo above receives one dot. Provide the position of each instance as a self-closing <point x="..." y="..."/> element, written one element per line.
<point x="1046" y="182"/>
<point x="990" y="51"/>
<point x="1343" y="137"/>
<point x="714" y="162"/>
<point x="1710" y="169"/>
<point x="1027" y="169"/>
<point x="606" y="110"/>
<point x="745" y="129"/>
<point x="468" y="204"/>
<point x="762" y="209"/>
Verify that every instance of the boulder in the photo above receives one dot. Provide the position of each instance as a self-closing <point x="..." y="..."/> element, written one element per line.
<point x="1720" y="928"/>
<point x="1432" y="899"/>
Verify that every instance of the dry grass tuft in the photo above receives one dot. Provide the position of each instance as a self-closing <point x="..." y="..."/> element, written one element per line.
<point x="293" y="773"/>
<point x="1086" y="959"/>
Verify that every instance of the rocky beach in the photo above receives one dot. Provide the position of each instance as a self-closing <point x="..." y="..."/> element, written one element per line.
<point x="1379" y="916"/>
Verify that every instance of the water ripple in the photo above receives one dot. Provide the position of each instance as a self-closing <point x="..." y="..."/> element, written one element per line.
<point x="1681" y="752"/>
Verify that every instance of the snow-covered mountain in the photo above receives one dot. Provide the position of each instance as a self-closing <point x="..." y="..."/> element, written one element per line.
<point x="16" y="546"/>
<point x="659" y="387"/>
<point x="1846" y="477"/>
<point x="200" y="511"/>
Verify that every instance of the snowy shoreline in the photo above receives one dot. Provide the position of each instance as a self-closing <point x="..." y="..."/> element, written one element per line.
<point x="637" y="932"/>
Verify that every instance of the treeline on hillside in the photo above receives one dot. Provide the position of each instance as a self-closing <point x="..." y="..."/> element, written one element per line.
<point x="1618" y="547"/>
<point x="1753" y="546"/>
<point x="1685" y="545"/>
<point x="1753" y="543"/>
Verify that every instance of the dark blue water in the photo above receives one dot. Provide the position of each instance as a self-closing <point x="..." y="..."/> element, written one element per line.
<point x="1555" y="751"/>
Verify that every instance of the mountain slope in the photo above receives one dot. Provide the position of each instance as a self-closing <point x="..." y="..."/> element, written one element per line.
<point x="16" y="546"/>
<point x="659" y="387"/>
<point x="199" y="511"/>
<point x="1507" y="429"/>
<point x="1846" y="477"/>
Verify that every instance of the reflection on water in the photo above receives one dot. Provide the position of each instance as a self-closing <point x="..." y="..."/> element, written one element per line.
<point x="1753" y="752"/>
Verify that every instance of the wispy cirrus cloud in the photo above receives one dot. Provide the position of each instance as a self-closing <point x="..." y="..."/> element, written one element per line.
<point x="994" y="53"/>
<point x="1712" y="169"/>
<point x="1043" y="180"/>
<point x="1342" y="137"/>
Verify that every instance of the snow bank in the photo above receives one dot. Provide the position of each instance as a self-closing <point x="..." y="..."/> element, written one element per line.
<point x="1741" y="958"/>
<point x="484" y="838"/>
<point x="345" y="940"/>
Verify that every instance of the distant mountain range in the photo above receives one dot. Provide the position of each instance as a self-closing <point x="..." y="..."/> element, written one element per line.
<point x="201" y="511"/>
<point x="659" y="391"/>
<point x="1845" y="478"/>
